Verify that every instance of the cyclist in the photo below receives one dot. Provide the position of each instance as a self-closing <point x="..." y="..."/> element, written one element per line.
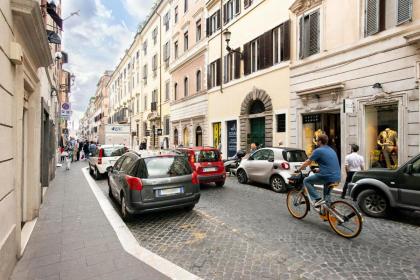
<point x="329" y="170"/>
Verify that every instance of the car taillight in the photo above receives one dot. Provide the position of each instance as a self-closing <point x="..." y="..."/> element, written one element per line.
<point x="192" y="158"/>
<point x="101" y="154"/>
<point x="195" y="178"/>
<point x="134" y="183"/>
<point x="285" y="165"/>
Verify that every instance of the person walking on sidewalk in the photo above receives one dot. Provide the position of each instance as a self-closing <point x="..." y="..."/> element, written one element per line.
<point x="353" y="163"/>
<point x="86" y="149"/>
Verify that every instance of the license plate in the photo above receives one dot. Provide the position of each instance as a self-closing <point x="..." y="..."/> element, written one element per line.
<point x="171" y="191"/>
<point x="209" y="169"/>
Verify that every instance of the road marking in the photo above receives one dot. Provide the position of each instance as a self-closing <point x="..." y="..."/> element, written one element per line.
<point x="129" y="242"/>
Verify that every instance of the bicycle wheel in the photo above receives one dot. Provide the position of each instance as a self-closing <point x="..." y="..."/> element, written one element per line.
<point x="352" y="225"/>
<point x="297" y="204"/>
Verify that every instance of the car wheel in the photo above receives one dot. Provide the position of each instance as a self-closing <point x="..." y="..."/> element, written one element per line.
<point x="277" y="184"/>
<point x="124" y="213"/>
<point x="242" y="177"/>
<point x="110" y="190"/>
<point x="220" y="184"/>
<point x="96" y="174"/>
<point x="90" y="170"/>
<point x="189" y="208"/>
<point x="373" y="203"/>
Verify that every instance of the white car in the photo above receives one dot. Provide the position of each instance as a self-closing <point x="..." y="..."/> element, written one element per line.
<point x="103" y="157"/>
<point x="271" y="166"/>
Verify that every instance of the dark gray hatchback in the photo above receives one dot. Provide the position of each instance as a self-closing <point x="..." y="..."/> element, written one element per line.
<point x="152" y="183"/>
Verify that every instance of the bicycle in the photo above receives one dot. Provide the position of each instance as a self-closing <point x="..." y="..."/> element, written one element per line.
<point x="343" y="218"/>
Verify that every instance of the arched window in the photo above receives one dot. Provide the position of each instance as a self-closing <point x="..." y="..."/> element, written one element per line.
<point x="198" y="136"/>
<point x="256" y="107"/>
<point x="176" y="137"/>
<point x="185" y="86"/>
<point x="175" y="91"/>
<point x="198" y="81"/>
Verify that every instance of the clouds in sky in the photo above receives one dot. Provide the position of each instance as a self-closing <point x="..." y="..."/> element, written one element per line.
<point x="96" y="40"/>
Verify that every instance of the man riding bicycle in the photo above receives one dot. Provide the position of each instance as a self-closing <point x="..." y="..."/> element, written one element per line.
<point x="329" y="170"/>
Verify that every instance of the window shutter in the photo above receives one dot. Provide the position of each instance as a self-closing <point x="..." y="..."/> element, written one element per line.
<point x="301" y="38"/>
<point x="247" y="59"/>
<point x="285" y="41"/>
<point x="247" y="3"/>
<point x="225" y="14"/>
<point x="268" y="49"/>
<point x="208" y="27"/>
<point x="371" y="17"/>
<point x="218" y="72"/>
<point x="218" y="19"/>
<point x="404" y="10"/>
<point x="209" y="76"/>
<point x="237" y="58"/>
<point x="314" y="33"/>
<point x="225" y="68"/>
<point x="237" y="7"/>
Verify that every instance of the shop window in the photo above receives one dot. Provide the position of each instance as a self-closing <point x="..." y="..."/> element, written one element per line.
<point x="186" y="136"/>
<point x="281" y="122"/>
<point x="217" y="134"/>
<point x="381" y="128"/>
<point x="176" y="137"/>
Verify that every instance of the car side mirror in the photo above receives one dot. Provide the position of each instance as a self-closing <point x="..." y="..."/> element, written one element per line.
<point x="271" y="159"/>
<point x="110" y="168"/>
<point x="409" y="169"/>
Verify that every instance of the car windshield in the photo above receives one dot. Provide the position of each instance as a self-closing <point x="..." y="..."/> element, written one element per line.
<point x="112" y="151"/>
<point x="167" y="166"/>
<point x="207" y="156"/>
<point x="295" y="156"/>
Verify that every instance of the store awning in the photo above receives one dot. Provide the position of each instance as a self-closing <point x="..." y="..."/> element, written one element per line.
<point x="56" y="18"/>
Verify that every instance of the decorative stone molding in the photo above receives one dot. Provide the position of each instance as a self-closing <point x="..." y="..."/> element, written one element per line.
<point x="300" y="6"/>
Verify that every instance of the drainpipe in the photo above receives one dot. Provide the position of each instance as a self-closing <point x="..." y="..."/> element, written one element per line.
<point x="221" y="46"/>
<point x="160" y="75"/>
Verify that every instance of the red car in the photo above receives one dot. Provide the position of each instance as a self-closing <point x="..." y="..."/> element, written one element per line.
<point x="208" y="164"/>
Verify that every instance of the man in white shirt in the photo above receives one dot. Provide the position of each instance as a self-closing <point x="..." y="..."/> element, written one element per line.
<point x="353" y="163"/>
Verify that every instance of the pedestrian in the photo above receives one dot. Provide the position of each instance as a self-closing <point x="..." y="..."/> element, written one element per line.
<point x="62" y="157"/>
<point x="353" y="163"/>
<point x="86" y="149"/>
<point x="79" y="149"/>
<point x="92" y="148"/>
<point x="253" y="148"/>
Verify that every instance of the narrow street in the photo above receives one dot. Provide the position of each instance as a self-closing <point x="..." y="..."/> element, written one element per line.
<point x="246" y="232"/>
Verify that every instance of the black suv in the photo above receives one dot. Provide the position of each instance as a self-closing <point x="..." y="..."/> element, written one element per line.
<point x="379" y="190"/>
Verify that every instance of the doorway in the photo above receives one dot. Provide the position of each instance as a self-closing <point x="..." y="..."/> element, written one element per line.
<point x="257" y="131"/>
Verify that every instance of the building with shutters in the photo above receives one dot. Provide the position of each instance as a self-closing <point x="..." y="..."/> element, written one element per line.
<point x="101" y="104"/>
<point x="354" y="75"/>
<point x="248" y="88"/>
<point x="189" y="103"/>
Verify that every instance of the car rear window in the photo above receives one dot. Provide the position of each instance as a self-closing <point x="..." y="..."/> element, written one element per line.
<point x="295" y="156"/>
<point x="112" y="151"/>
<point x="207" y="156"/>
<point x="167" y="166"/>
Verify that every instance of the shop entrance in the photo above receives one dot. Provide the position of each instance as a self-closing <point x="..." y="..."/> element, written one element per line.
<point x="257" y="132"/>
<point x="323" y="123"/>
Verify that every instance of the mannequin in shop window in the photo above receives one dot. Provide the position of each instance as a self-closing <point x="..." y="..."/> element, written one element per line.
<point x="387" y="140"/>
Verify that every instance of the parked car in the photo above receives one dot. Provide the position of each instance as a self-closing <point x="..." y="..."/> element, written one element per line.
<point x="207" y="162"/>
<point x="142" y="183"/>
<point x="377" y="191"/>
<point x="271" y="166"/>
<point x="103" y="157"/>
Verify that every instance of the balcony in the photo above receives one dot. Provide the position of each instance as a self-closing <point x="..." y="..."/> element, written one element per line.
<point x="153" y="106"/>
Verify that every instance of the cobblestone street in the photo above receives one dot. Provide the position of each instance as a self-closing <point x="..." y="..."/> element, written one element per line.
<point x="246" y="232"/>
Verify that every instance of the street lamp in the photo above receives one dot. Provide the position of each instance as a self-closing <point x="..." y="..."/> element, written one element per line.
<point x="227" y="34"/>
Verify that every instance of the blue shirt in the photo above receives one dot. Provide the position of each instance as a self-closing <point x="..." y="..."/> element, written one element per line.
<point x="328" y="163"/>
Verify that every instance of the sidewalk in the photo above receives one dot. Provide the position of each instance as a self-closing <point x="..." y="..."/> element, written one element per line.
<point x="74" y="240"/>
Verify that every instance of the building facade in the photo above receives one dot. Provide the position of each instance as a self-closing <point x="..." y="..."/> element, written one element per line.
<point x="248" y="88"/>
<point x="100" y="118"/>
<point x="359" y="86"/>
<point x="189" y="105"/>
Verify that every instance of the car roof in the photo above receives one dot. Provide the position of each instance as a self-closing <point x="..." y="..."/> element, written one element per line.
<point x="150" y="154"/>
<point x="286" y="148"/>
<point x="198" y="148"/>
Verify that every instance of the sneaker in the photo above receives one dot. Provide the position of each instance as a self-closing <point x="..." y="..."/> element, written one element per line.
<point x="319" y="202"/>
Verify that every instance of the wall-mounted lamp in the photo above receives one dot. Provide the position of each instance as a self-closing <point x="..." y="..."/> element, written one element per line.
<point x="377" y="86"/>
<point x="227" y="34"/>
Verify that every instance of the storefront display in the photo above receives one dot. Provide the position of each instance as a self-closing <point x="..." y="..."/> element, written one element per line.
<point x="217" y="133"/>
<point x="382" y="136"/>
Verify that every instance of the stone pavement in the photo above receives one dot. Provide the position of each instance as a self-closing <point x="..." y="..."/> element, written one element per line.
<point x="74" y="240"/>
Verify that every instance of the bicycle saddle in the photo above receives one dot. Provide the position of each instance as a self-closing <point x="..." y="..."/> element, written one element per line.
<point x="332" y="185"/>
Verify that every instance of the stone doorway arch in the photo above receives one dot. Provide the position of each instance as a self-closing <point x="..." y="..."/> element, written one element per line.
<point x="246" y="117"/>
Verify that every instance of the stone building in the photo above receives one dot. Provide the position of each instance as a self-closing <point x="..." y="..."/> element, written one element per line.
<point x="354" y="75"/>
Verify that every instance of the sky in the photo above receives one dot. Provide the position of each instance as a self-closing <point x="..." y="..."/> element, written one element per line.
<point x="96" y="41"/>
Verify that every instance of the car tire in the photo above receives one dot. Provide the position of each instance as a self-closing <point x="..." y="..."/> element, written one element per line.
<point x="220" y="184"/>
<point x="277" y="184"/>
<point x="124" y="213"/>
<point x="90" y="170"/>
<point x="110" y="190"/>
<point x="242" y="177"/>
<point x="189" y="208"/>
<point x="96" y="174"/>
<point x="373" y="203"/>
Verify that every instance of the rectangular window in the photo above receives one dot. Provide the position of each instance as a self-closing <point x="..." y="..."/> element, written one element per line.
<point x="198" y="30"/>
<point x="154" y="65"/>
<point x="254" y="56"/>
<point x="281" y="43"/>
<point x="214" y="74"/>
<point x="228" y="68"/>
<point x="213" y="23"/>
<point x="186" y="41"/>
<point x="167" y="125"/>
<point x="281" y="122"/>
<point x="145" y="47"/>
<point x="176" y="14"/>
<point x="176" y="49"/>
<point x="166" y="52"/>
<point x="145" y="102"/>
<point x="154" y="35"/>
<point x="145" y="72"/>
<point x="309" y="34"/>
<point x="167" y="20"/>
<point x="404" y="10"/>
<point x="167" y="91"/>
<point x="247" y="3"/>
